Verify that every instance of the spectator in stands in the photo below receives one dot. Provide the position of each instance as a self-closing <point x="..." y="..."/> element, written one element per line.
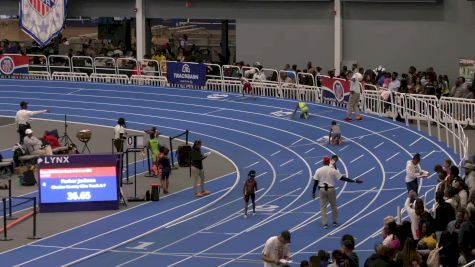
<point x="449" y="254"/>
<point x="35" y="146"/>
<point x="417" y="214"/>
<point x="418" y="87"/>
<point x="466" y="241"/>
<point x="120" y="134"/>
<point x="462" y="195"/>
<point x="409" y="257"/>
<point x="454" y="225"/>
<point x="451" y="197"/>
<point x="260" y="75"/>
<point x="50" y="138"/>
<point x="441" y="175"/>
<point x="349" y="258"/>
<point x="469" y="177"/>
<point x="469" y="94"/>
<point x="382" y="258"/>
<point x="459" y="88"/>
<point x="394" y="84"/>
<point x="23" y="118"/>
<point x="276" y="249"/>
<point x="443" y="213"/>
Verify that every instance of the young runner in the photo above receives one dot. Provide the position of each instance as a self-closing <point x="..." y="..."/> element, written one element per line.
<point x="249" y="190"/>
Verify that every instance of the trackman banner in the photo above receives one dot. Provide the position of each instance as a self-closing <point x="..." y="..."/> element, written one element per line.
<point x="42" y="20"/>
<point x="186" y="73"/>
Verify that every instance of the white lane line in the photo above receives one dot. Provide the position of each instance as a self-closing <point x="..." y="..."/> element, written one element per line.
<point x="249" y="166"/>
<point x="76" y="91"/>
<point x="388" y="159"/>
<point x="275" y="153"/>
<point x="290" y="176"/>
<point x="217" y="233"/>
<point x="287" y="162"/>
<point x="397" y="174"/>
<point x="296" y="141"/>
<point x="262" y="174"/>
<point x="411" y="144"/>
<point x="364" y="173"/>
<point x="430" y="153"/>
<point x="380" y="144"/>
<point x="344" y="147"/>
<point x="360" y="156"/>
<point x="309" y="150"/>
<point x="213" y="111"/>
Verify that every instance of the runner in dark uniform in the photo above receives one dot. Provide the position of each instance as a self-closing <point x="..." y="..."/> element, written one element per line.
<point x="249" y="190"/>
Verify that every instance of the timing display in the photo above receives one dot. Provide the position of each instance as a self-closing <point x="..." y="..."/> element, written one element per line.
<point x="78" y="184"/>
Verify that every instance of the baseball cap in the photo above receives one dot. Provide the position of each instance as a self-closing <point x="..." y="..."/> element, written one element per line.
<point x="286" y="236"/>
<point x="468" y="165"/>
<point x="326" y="160"/>
<point x="28" y="131"/>
<point x="252" y="173"/>
<point x="23" y="103"/>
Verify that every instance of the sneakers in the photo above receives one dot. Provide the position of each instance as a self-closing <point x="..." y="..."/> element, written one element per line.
<point x="198" y="194"/>
<point x="335" y="224"/>
<point x="205" y="193"/>
<point x="325" y="226"/>
<point x="359" y="118"/>
<point x="165" y="191"/>
<point x="347" y="119"/>
<point x="245" y="216"/>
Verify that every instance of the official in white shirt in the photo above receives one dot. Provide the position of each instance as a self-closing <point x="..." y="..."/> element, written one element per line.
<point x="23" y="118"/>
<point x="413" y="172"/>
<point x="325" y="178"/>
<point x="120" y="134"/>
<point x="354" y="100"/>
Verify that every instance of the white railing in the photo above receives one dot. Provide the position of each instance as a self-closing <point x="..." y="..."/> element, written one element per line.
<point x="461" y="109"/>
<point x="70" y="76"/>
<point x="39" y="75"/>
<point x="470" y="264"/>
<point x="148" y="80"/>
<point x="109" y="78"/>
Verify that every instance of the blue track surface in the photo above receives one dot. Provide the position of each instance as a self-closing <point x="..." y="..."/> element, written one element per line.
<point x="284" y="152"/>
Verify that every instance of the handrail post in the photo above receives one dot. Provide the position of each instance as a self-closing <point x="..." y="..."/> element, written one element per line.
<point x="5" y="234"/>
<point x="34" y="236"/>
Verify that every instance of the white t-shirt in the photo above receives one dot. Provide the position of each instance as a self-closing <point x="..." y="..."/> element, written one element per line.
<point x="275" y="250"/>
<point x="355" y="86"/>
<point x="23" y="116"/>
<point x="118" y="129"/>
<point x="327" y="175"/>
<point x="412" y="171"/>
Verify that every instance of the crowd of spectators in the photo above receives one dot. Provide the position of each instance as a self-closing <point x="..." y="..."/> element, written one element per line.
<point x="178" y="49"/>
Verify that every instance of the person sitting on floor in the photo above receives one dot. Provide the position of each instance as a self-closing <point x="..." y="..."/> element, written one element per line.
<point x="35" y="146"/>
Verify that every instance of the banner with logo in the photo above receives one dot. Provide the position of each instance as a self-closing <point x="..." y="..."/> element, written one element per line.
<point x="13" y="65"/>
<point x="186" y="74"/>
<point x="42" y="20"/>
<point x="467" y="69"/>
<point x="337" y="89"/>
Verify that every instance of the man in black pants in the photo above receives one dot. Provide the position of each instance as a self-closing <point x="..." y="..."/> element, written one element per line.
<point x="23" y="118"/>
<point x="249" y="191"/>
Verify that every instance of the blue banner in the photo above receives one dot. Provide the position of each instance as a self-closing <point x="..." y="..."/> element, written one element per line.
<point x="186" y="73"/>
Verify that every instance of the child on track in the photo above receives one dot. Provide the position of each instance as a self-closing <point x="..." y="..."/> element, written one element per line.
<point x="166" y="168"/>
<point x="335" y="135"/>
<point x="246" y="86"/>
<point x="249" y="191"/>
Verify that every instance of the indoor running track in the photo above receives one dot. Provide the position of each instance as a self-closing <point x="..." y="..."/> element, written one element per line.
<point x="254" y="134"/>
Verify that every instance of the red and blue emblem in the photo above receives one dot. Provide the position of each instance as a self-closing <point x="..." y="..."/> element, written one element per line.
<point x="7" y="66"/>
<point x="43" y="7"/>
<point x="338" y="91"/>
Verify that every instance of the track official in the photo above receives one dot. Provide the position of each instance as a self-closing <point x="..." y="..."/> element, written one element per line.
<point x="23" y="118"/>
<point x="325" y="178"/>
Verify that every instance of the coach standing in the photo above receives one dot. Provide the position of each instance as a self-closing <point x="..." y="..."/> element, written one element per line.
<point x="354" y="100"/>
<point x="325" y="178"/>
<point x="23" y="118"/>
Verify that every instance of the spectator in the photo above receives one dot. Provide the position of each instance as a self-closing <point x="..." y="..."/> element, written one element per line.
<point x="451" y="197"/>
<point x="51" y="139"/>
<point x="428" y="239"/>
<point x="120" y="134"/>
<point x="417" y="214"/>
<point x="459" y="88"/>
<point x="382" y="258"/>
<point x="453" y="226"/>
<point x="462" y="194"/>
<point x="408" y="257"/>
<point x="337" y="256"/>
<point x="394" y="84"/>
<point x="443" y="213"/>
<point x="349" y="258"/>
<point x="276" y="249"/>
<point x="304" y="263"/>
<point x="448" y="255"/>
<point x="466" y="240"/>
<point x="418" y="87"/>
<point x="469" y="94"/>
<point x="469" y="177"/>
<point x="259" y="75"/>
<point x="36" y="146"/>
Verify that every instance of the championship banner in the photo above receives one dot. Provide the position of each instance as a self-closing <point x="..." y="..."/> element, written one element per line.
<point x="186" y="74"/>
<point x="13" y="65"/>
<point x="335" y="89"/>
<point x="42" y="20"/>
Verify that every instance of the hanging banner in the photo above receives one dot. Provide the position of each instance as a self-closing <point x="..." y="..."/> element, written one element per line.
<point x="467" y="69"/>
<point x="335" y="89"/>
<point x="13" y="65"/>
<point x="42" y="20"/>
<point x="186" y="74"/>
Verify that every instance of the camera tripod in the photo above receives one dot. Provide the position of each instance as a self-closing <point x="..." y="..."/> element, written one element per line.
<point x="65" y="140"/>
